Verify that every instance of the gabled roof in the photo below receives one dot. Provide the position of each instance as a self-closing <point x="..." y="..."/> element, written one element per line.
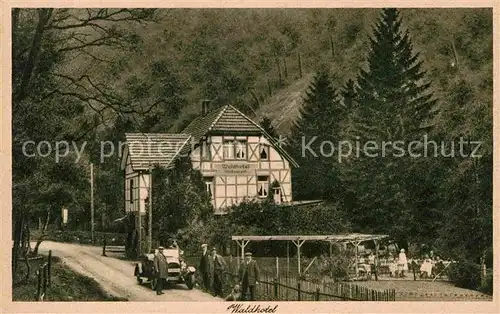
<point x="228" y="119"/>
<point x="151" y="149"/>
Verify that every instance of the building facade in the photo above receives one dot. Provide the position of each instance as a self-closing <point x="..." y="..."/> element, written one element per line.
<point x="237" y="158"/>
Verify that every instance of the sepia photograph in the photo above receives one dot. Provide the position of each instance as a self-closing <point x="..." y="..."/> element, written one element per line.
<point x="251" y="156"/>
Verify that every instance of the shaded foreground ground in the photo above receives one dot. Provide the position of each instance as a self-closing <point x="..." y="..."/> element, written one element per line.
<point x="116" y="276"/>
<point x="66" y="285"/>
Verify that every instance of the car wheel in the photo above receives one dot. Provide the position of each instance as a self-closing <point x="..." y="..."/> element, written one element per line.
<point x="139" y="280"/>
<point x="190" y="281"/>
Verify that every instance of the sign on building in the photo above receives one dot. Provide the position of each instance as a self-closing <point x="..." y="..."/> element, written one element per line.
<point x="235" y="169"/>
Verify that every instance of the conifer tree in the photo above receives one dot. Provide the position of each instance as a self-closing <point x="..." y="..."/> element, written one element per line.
<point x="312" y="134"/>
<point x="392" y="102"/>
<point x="392" y="90"/>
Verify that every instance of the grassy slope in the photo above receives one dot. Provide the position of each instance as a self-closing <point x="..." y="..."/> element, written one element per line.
<point x="66" y="285"/>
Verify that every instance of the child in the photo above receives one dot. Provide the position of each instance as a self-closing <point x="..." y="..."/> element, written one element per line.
<point x="235" y="294"/>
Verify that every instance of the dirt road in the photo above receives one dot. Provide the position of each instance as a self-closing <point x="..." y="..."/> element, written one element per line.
<point x="116" y="276"/>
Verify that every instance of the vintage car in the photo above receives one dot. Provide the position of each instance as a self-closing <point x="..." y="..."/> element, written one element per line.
<point x="178" y="271"/>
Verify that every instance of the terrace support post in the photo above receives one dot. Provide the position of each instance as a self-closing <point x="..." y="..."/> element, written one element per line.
<point x="150" y="211"/>
<point x="242" y="245"/>
<point x="298" y="244"/>
<point x="356" y="244"/>
<point x="277" y="267"/>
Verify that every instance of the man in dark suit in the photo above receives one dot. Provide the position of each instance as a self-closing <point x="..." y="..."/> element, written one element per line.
<point x="249" y="276"/>
<point x="205" y="267"/>
<point x="217" y="267"/>
<point x="160" y="269"/>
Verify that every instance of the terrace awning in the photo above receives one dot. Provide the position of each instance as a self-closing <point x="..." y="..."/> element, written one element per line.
<point x="353" y="238"/>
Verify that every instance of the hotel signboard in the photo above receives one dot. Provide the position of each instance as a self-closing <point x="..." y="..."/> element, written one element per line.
<point x="235" y="169"/>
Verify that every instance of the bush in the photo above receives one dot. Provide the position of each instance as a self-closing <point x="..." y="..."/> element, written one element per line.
<point x="487" y="286"/>
<point x="465" y="274"/>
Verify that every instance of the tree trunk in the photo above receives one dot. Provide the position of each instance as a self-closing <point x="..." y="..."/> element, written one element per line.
<point x="42" y="235"/>
<point x="18" y="233"/>
<point x="43" y="17"/>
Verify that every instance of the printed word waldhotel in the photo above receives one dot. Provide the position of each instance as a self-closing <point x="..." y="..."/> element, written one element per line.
<point x="237" y="158"/>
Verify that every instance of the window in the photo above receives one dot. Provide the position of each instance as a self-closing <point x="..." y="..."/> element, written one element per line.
<point x="241" y="150"/>
<point x="209" y="185"/>
<point x="262" y="186"/>
<point x="235" y="150"/>
<point x="264" y="152"/>
<point x="206" y="153"/>
<point x="228" y="150"/>
<point x="131" y="191"/>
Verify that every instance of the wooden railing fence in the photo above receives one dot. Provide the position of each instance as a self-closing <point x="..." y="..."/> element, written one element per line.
<point x="291" y="289"/>
<point x="44" y="278"/>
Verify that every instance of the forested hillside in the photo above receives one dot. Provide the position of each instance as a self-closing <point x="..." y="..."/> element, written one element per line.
<point x="93" y="74"/>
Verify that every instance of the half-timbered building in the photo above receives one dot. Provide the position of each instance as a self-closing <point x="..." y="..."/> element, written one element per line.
<point x="238" y="159"/>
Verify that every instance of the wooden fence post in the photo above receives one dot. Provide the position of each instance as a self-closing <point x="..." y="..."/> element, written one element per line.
<point x="50" y="267"/>
<point x="45" y="270"/>
<point x="275" y="284"/>
<point x="39" y="284"/>
<point x="104" y="247"/>
<point x="298" y="291"/>
<point x="317" y="294"/>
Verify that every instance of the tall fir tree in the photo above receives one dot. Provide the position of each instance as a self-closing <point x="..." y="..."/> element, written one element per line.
<point x="314" y="139"/>
<point x="392" y="90"/>
<point x="392" y="102"/>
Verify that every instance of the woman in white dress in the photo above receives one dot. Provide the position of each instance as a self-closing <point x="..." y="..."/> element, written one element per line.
<point x="426" y="268"/>
<point x="402" y="263"/>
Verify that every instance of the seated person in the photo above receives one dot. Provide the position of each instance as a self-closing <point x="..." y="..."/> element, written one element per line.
<point x="426" y="267"/>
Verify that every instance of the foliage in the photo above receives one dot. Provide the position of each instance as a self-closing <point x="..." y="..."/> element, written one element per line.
<point x="487" y="286"/>
<point x="59" y="95"/>
<point x="392" y="103"/>
<point x="267" y="218"/>
<point x="180" y="200"/>
<point x="465" y="274"/>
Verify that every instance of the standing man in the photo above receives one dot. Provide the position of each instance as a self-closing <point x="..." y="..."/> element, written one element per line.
<point x="217" y="266"/>
<point x="205" y="266"/>
<point x="160" y="269"/>
<point x="249" y="276"/>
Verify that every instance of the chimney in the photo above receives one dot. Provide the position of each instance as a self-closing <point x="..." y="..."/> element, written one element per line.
<point x="205" y="107"/>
